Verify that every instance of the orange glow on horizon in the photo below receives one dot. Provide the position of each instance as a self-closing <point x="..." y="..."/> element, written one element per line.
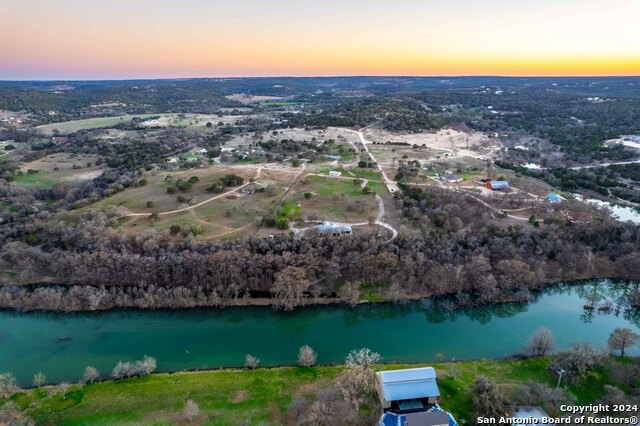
<point x="196" y="38"/>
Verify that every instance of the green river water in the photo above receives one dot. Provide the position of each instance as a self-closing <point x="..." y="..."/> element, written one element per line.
<point x="61" y="345"/>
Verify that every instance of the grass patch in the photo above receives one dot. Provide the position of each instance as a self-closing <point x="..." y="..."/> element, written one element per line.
<point x="366" y="174"/>
<point x="266" y="393"/>
<point x="37" y="179"/>
<point x="160" y="398"/>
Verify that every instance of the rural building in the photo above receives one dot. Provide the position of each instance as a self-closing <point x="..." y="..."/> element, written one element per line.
<point x="409" y="397"/>
<point x="334" y="229"/>
<point x="497" y="185"/>
<point x="453" y="178"/>
<point x="553" y="198"/>
<point x="335" y="173"/>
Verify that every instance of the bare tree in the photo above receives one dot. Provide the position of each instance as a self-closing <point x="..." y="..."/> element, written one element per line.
<point x="540" y="342"/>
<point x="11" y="416"/>
<point x="306" y="356"/>
<point x="190" y="410"/>
<point x="289" y="287"/>
<point x="39" y="379"/>
<point x="350" y="292"/>
<point x="622" y="338"/>
<point x="122" y="370"/>
<point x="541" y="394"/>
<point x="356" y="385"/>
<point x="148" y="364"/>
<point x="8" y="385"/>
<point x="90" y="374"/>
<point x="251" y="361"/>
<point x="63" y="387"/>
<point x="576" y="362"/>
<point x="362" y="357"/>
<point x="319" y="413"/>
<point x="487" y="399"/>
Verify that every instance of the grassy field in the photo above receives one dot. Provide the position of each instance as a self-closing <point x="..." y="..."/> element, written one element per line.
<point x="38" y="179"/>
<point x="68" y="127"/>
<point x="135" y="199"/>
<point x="263" y="396"/>
<point x="334" y="199"/>
<point x="279" y="103"/>
<point x="226" y="217"/>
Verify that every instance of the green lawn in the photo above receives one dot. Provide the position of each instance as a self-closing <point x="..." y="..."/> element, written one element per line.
<point x="366" y="173"/>
<point x="37" y="179"/>
<point x="263" y="396"/>
<point x="226" y="397"/>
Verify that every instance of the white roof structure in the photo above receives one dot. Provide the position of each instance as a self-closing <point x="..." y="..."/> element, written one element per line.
<point x="411" y="383"/>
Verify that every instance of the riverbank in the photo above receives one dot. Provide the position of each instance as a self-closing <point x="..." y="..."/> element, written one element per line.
<point x="50" y="297"/>
<point x="266" y="396"/>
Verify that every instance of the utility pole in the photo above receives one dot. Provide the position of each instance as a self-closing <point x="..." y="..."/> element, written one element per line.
<point x="560" y="373"/>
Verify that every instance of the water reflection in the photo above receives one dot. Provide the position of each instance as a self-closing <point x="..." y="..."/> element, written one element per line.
<point x="407" y="332"/>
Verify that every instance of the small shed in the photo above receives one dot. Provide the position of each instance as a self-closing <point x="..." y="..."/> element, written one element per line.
<point x="335" y="173"/>
<point x="553" y="198"/>
<point x="497" y="185"/>
<point x="402" y="387"/>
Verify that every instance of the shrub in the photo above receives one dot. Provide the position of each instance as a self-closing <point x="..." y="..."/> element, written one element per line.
<point x="39" y="379"/>
<point x="90" y="374"/>
<point x="8" y="385"/>
<point x="232" y="180"/>
<point x="190" y="410"/>
<point x="251" y="361"/>
<point x="362" y="357"/>
<point x="216" y="187"/>
<point x="306" y="356"/>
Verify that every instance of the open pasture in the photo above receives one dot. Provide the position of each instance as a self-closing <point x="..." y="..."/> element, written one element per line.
<point x="137" y="199"/>
<point x="59" y="168"/>
<point x="334" y="199"/>
<point x="448" y="142"/>
<point x="68" y="127"/>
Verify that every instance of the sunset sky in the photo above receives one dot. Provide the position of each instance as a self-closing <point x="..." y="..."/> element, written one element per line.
<point x="88" y="39"/>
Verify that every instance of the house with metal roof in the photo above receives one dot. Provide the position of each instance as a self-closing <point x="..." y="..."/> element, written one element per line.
<point x="407" y="387"/>
<point x="497" y="185"/>
<point x="334" y="229"/>
<point x="553" y="198"/>
<point x="409" y="397"/>
<point x="452" y="178"/>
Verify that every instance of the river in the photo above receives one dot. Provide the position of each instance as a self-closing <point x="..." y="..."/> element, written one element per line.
<point x="61" y="345"/>
<point x="621" y="213"/>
